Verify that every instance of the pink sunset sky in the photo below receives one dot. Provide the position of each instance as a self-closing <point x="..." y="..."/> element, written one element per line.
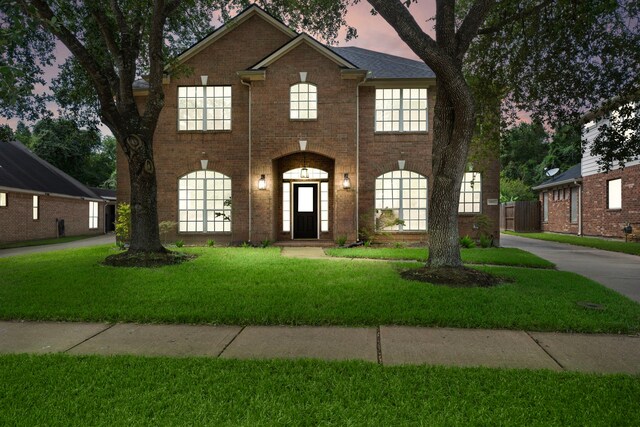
<point x="373" y="33"/>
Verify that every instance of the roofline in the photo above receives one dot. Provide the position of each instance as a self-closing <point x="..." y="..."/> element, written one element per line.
<point x="44" y="193"/>
<point x="227" y="27"/>
<point x="555" y="184"/>
<point x="404" y="82"/>
<point x="304" y="38"/>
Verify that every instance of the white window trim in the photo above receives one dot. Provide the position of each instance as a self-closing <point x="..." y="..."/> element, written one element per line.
<point x="205" y="210"/>
<point x="308" y="110"/>
<point x="35" y="208"/>
<point x="402" y="228"/>
<point x="619" y="194"/>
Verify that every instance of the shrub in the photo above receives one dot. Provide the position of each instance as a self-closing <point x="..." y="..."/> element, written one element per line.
<point x="246" y="245"/>
<point x="486" y="241"/>
<point x="341" y="240"/>
<point x="467" y="242"/>
<point x="265" y="243"/>
<point x="123" y="224"/>
<point x="399" y="245"/>
<point x="370" y="228"/>
<point x="211" y="243"/>
<point x="179" y="243"/>
<point x="165" y="227"/>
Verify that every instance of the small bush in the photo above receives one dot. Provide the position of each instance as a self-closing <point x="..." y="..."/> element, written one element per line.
<point x="467" y="242"/>
<point x="179" y="243"/>
<point x="486" y="241"/>
<point x="165" y="227"/>
<point x="341" y="240"/>
<point x="265" y="243"/>
<point x="399" y="245"/>
<point x="123" y="224"/>
<point x="367" y="243"/>
<point x="246" y="245"/>
<point x="211" y="243"/>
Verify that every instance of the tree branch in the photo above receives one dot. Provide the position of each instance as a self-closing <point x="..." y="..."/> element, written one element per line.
<point x="508" y="20"/>
<point x="469" y="28"/>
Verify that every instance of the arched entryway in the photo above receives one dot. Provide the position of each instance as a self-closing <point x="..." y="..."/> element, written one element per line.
<point x="305" y="197"/>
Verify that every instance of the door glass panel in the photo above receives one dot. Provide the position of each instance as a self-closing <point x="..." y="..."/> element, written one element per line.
<point x="305" y="199"/>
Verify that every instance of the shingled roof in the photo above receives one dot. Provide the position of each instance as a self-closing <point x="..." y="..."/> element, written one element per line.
<point x="383" y="65"/>
<point x="20" y="169"/>
<point x="572" y="174"/>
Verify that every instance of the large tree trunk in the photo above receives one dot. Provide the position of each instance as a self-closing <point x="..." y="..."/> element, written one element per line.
<point x="145" y="236"/>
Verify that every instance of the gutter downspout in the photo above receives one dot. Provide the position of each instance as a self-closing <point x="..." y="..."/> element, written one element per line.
<point x="358" y="153"/>
<point x="249" y="174"/>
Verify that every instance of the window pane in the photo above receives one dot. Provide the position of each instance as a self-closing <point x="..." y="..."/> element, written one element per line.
<point x="303" y="101"/>
<point x="206" y="205"/>
<point x="615" y="194"/>
<point x="470" y="193"/>
<point x="305" y="199"/>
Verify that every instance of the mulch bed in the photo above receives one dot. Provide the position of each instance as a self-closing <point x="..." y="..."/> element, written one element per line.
<point x="147" y="260"/>
<point x="460" y="277"/>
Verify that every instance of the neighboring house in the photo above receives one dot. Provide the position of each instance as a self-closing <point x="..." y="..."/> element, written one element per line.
<point x="585" y="201"/>
<point x="39" y="201"/>
<point x="109" y="196"/>
<point x="273" y="135"/>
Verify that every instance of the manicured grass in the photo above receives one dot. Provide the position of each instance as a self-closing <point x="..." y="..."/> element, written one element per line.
<point x="41" y="242"/>
<point x="632" y="248"/>
<point x="495" y="256"/>
<point x="259" y="287"/>
<point x="107" y="391"/>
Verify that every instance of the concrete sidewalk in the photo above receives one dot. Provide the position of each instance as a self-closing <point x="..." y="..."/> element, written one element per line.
<point x="387" y="345"/>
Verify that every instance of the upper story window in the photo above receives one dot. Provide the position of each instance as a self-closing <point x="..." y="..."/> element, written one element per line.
<point x="3" y="200"/>
<point x="204" y="108"/>
<point x="470" y="193"/>
<point x="93" y="214"/>
<point x="303" y="102"/>
<point x="402" y="195"/>
<point x="401" y="110"/>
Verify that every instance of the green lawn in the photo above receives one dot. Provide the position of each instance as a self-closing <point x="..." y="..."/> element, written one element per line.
<point x="632" y="248"/>
<point x="246" y="286"/>
<point x="107" y="391"/>
<point x="496" y="256"/>
<point x="41" y="242"/>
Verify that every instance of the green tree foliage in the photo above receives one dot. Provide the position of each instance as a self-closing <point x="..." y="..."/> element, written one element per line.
<point x="522" y="151"/>
<point x="80" y="153"/>
<point x="6" y="133"/>
<point x="514" y="190"/>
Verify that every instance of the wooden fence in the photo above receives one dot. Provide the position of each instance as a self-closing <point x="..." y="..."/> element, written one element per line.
<point x="520" y="216"/>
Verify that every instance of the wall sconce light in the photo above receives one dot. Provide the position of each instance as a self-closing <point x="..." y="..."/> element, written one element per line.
<point x="262" y="183"/>
<point x="401" y="164"/>
<point x="204" y="163"/>
<point x="346" y="182"/>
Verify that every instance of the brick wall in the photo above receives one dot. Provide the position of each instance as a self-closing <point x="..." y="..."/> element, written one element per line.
<point x="16" y="223"/>
<point x="600" y="221"/>
<point x="559" y="221"/>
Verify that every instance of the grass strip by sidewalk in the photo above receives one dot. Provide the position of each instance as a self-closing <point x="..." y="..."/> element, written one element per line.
<point x="124" y="390"/>
<point x="41" y="242"/>
<point x="496" y="256"/>
<point x="632" y="248"/>
<point x="246" y="286"/>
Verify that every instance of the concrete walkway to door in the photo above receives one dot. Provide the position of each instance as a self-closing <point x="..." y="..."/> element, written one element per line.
<point x="615" y="270"/>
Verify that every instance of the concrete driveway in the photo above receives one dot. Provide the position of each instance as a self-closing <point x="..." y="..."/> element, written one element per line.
<point x="618" y="271"/>
<point x="102" y="239"/>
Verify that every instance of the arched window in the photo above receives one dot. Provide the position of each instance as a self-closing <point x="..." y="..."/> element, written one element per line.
<point x="204" y="203"/>
<point x="403" y="195"/>
<point x="303" y="102"/>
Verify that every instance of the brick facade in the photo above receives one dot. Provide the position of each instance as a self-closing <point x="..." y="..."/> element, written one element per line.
<point x="559" y="219"/>
<point x="600" y="221"/>
<point x="17" y="224"/>
<point x="332" y="139"/>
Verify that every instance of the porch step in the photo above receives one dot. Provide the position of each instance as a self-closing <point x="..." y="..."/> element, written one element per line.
<point x="305" y="243"/>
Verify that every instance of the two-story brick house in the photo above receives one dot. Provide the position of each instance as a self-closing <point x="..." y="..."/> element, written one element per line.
<point x="276" y="136"/>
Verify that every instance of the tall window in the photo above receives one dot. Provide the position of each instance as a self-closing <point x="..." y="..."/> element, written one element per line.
<point x="403" y="195"/>
<point x="36" y="207"/>
<point x="401" y="110"/>
<point x="574" y="204"/>
<point x="470" y="193"/>
<point x="545" y="206"/>
<point x="303" y="102"/>
<point x="204" y="108"/>
<point x="3" y="200"/>
<point x="93" y="214"/>
<point x="614" y="194"/>
<point x="204" y="203"/>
